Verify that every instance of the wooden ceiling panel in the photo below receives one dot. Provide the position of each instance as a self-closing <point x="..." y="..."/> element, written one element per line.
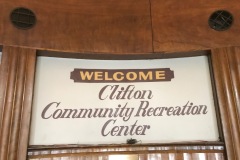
<point x="183" y="26"/>
<point x="82" y="26"/>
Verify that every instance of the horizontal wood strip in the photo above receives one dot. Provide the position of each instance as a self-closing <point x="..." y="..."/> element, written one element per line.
<point x="105" y="151"/>
<point x="171" y="156"/>
<point x="59" y="154"/>
<point x="167" y="146"/>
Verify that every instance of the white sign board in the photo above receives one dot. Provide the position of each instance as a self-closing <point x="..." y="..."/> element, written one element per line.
<point x="80" y="101"/>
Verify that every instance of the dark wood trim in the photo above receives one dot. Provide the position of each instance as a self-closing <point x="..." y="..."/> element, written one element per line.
<point x="17" y="72"/>
<point x="130" y="56"/>
<point x="225" y="61"/>
<point x="114" y="146"/>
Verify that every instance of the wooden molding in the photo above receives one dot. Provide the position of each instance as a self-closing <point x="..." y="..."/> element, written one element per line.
<point x="16" y="88"/>
<point x="226" y="73"/>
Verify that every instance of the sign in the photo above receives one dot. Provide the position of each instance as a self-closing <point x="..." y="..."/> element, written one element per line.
<point x="126" y="75"/>
<point x="80" y="101"/>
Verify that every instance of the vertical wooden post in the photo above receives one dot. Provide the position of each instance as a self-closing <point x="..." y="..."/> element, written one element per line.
<point x="226" y="66"/>
<point x="16" y="88"/>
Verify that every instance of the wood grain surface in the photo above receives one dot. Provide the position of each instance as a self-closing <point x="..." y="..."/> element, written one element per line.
<point x="120" y="27"/>
<point x="16" y="72"/>
<point x="161" y="152"/>
<point x="183" y="26"/>
<point x="83" y="26"/>
<point x="156" y="156"/>
<point x="127" y="27"/>
<point x="226" y="73"/>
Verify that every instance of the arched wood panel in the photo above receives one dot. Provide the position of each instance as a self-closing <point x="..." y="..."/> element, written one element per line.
<point x="120" y="27"/>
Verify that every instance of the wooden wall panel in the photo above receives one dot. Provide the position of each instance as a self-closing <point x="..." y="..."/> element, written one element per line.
<point x="143" y="153"/>
<point x="83" y="26"/>
<point x="226" y="72"/>
<point x="183" y="26"/>
<point x="115" y="27"/>
<point x="159" y="156"/>
<point x="16" y="86"/>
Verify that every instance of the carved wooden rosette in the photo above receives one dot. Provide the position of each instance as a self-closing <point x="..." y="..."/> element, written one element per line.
<point x="16" y="83"/>
<point x="226" y="62"/>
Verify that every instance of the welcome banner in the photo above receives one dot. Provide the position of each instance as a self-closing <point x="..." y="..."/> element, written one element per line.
<point x="80" y="101"/>
<point x="126" y="75"/>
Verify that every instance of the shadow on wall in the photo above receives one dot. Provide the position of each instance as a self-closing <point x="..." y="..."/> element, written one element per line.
<point x="0" y="57"/>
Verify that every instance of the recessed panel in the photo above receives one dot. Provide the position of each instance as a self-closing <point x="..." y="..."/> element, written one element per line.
<point x="79" y="101"/>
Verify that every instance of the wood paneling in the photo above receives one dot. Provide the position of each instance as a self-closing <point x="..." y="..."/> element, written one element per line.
<point x="158" y="156"/>
<point x="174" y="152"/>
<point x="183" y="26"/>
<point x="226" y="72"/>
<point x="83" y="26"/>
<point x="16" y="83"/>
<point x="234" y="66"/>
<point x="120" y="27"/>
<point x="115" y="27"/>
